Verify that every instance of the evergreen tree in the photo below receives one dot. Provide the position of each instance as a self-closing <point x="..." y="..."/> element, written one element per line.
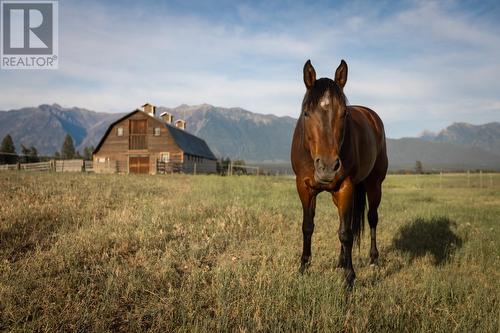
<point x="34" y="154"/>
<point x="8" y="148"/>
<point x="25" y="152"/>
<point x="68" y="148"/>
<point x="8" y="145"/>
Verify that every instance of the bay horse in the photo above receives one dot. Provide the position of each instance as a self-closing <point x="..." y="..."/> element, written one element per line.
<point x="341" y="149"/>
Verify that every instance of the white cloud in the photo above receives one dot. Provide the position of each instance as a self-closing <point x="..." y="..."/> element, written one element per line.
<point x="421" y="61"/>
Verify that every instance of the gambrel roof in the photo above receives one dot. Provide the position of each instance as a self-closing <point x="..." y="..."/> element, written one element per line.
<point x="188" y="142"/>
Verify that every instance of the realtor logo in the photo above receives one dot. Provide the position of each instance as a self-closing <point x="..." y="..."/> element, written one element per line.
<point x="29" y="31"/>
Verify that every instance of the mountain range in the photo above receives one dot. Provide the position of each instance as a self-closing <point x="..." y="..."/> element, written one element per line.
<point x="256" y="138"/>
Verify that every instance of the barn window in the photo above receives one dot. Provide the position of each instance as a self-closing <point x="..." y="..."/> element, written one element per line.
<point x="157" y="131"/>
<point x="165" y="157"/>
<point x="119" y="131"/>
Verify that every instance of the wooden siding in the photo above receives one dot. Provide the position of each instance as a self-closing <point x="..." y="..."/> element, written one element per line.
<point x="114" y="153"/>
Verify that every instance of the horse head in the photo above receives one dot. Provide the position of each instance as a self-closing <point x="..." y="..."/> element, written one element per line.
<point x="323" y="117"/>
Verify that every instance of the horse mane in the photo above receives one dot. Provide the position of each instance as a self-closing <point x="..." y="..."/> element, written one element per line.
<point x="321" y="86"/>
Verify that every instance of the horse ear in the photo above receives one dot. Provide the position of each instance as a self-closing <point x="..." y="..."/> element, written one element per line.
<point x="341" y="74"/>
<point x="309" y="74"/>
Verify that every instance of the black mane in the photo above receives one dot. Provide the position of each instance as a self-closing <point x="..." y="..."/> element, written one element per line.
<point x="321" y="86"/>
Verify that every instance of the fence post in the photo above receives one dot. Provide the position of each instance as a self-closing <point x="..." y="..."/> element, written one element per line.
<point x="468" y="178"/>
<point x="481" y="178"/>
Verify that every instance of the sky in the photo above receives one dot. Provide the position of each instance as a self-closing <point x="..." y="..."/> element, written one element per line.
<point x="421" y="65"/>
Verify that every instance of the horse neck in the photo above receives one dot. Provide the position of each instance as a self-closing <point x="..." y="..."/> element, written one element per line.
<point x="346" y="148"/>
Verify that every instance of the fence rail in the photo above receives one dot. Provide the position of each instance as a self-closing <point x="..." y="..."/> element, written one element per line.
<point x="9" y="167"/>
<point x="40" y="166"/>
<point x="168" y="167"/>
<point x="52" y="165"/>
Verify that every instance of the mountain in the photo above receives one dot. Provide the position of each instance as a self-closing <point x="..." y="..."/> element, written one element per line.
<point x="46" y="126"/>
<point x="403" y="153"/>
<point x="256" y="138"/>
<point x="238" y="133"/>
<point x="486" y="137"/>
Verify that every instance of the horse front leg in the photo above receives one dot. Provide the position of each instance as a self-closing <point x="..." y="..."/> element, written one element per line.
<point x="308" y="199"/>
<point x="341" y="263"/>
<point x="344" y="199"/>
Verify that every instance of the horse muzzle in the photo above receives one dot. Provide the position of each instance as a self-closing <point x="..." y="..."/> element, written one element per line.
<point x="325" y="170"/>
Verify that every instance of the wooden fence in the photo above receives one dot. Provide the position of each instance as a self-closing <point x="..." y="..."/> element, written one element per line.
<point x="52" y="165"/>
<point x="69" y="165"/>
<point x="167" y="167"/>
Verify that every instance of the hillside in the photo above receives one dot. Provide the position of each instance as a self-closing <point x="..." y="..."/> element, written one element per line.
<point x="256" y="138"/>
<point x="239" y="133"/>
<point x="45" y="126"/>
<point x="486" y="137"/>
<point x="403" y="153"/>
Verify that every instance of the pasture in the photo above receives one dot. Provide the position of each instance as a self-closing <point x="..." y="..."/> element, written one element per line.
<point x="85" y="252"/>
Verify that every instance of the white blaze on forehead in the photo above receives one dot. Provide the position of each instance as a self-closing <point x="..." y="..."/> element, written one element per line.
<point x="325" y="100"/>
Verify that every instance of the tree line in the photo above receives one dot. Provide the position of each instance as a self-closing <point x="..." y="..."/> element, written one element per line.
<point x="9" y="155"/>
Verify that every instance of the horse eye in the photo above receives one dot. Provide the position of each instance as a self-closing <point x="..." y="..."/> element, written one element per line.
<point x="306" y="114"/>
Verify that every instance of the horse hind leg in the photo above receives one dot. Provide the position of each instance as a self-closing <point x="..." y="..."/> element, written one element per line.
<point x="374" y="194"/>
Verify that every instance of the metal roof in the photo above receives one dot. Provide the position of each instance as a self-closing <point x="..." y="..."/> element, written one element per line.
<point x="189" y="143"/>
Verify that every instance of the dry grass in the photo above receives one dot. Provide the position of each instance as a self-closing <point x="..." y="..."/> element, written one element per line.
<point x="181" y="253"/>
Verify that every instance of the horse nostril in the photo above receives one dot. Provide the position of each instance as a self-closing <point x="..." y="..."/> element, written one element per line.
<point x="336" y="165"/>
<point x="317" y="160"/>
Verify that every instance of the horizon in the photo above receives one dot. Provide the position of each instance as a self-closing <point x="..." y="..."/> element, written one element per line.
<point x="418" y="135"/>
<point x="421" y="66"/>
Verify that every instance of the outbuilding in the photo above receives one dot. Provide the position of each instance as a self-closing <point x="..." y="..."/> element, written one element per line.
<point x="142" y="142"/>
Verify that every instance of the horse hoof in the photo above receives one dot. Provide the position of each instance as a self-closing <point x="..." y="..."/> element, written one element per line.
<point x="373" y="262"/>
<point x="349" y="280"/>
<point x="303" y="268"/>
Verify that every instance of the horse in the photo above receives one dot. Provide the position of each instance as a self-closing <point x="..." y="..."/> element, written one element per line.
<point x="341" y="149"/>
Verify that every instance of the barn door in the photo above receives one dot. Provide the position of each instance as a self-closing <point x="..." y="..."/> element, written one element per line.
<point x="137" y="136"/>
<point x="139" y="164"/>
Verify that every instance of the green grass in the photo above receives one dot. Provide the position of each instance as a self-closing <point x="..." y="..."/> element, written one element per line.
<point x="103" y="253"/>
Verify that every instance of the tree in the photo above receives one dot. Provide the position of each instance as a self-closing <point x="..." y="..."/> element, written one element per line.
<point x="33" y="155"/>
<point x="68" y="148"/>
<point x="419" y="169"/>
<point x="29" y="155"/>
<point x="9" y="149"/>
<point x="8" y="145"/>
<point x="87" y="152"/>
<point x="223" y="166"/>
<point x="25" y="152"/>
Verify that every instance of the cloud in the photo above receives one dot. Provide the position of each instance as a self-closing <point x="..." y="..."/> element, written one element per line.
<point x="419" y="64"/>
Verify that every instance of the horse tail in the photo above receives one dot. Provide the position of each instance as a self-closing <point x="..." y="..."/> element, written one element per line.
<point x="358" y="212"/>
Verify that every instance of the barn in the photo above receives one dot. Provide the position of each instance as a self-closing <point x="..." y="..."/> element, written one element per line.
<point x="143" y="142"/>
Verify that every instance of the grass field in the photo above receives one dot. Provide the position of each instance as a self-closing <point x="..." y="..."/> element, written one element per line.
<point x="100" y="253"/>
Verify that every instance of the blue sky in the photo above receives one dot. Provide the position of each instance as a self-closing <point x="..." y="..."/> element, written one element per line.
<point x="419" y="64"/>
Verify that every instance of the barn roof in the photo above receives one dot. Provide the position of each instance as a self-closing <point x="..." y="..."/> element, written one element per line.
<point x="188" y="142"/>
